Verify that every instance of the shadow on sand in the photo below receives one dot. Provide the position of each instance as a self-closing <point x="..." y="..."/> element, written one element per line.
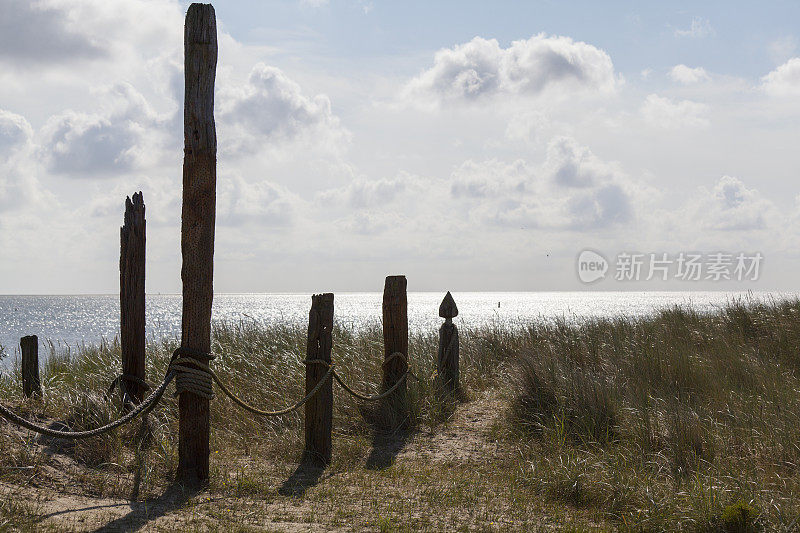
<point x="306" y="475"/>
<point x="174" y="497"/>
<point x="385" y="447"/>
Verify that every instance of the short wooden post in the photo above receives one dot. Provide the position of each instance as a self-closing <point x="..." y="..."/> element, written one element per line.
<point x="447" y="361"/>
<point x="319" y="409"/>
<point x="197" y="230"/>
<point x="29" y="346"/>
<point x="395" y="339"/>
<point x="131" y="300"/>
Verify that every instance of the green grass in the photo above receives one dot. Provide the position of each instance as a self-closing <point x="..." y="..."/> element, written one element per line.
<point x="666" y="421"/>
<point x="676" y="421"/>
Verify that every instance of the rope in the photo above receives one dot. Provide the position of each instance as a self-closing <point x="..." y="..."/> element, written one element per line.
<point x="198" y="379"/>
<point x="370" y="398"/>
<point x="193" y="375"/>
<point x="143" y="407"/>
<point x="384" y="394"/>
<point x="279" y="412"/>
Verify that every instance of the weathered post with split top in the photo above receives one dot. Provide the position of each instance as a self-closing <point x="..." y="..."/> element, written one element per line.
<point x="197" y="230"/>
<point x="319" y="409"/>
<point x="447" y="360"/>
<point x="131" y="299"/>
<point x="29" y="346"/>
<point x="395" y="348"/>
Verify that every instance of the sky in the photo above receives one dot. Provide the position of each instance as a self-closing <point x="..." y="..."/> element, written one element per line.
<point x="468" y="145"/>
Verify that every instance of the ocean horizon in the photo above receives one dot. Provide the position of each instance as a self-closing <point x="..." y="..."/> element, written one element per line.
<point x="71" y="321"/>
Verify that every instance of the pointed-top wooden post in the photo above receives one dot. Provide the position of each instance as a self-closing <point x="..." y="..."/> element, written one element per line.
<point x="447" y="360"/>
<point x="197" y="229"/>
<point x="448" y="308"/>
<point x="131" y="299"/>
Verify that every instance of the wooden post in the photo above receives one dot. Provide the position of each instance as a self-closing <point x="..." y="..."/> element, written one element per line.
<point x="29" y="346"/>
<point x="197" y="230"/>
<point x="395" y="339"/>
<point x="447" y="361"/>
<point x="131" y="300"/>
<point x="319" y="409"/>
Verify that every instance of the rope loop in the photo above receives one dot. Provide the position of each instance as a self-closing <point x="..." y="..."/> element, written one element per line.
<point x="192" y="374"/>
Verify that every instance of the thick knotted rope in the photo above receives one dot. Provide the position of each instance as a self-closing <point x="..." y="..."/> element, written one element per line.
<point x="197" y="377"/>
<point x="192" y="374"/>
<point x="143" y="407"/>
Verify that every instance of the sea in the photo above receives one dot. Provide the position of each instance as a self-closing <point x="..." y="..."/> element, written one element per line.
<point x="71" y="321"/>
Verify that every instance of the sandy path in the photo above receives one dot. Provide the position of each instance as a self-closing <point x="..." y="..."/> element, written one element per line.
<point x="464" y="438"/>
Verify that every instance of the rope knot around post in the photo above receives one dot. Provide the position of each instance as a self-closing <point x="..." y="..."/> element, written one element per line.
<point x="191" y="374"/>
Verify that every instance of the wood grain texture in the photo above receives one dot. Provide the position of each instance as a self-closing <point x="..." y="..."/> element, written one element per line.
<point x="447" y="381"/>
<point x="197" y="228"/>
<point x="395" y="339"/>
<point x="29" y="346"/>
<point x="319" y="409"/>
<point x="131" y="298"/>
<point x="447" y="359"/>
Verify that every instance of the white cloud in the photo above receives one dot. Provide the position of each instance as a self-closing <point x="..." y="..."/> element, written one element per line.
<point x="528" y="126"/>
<point x="699" y="27"/>
<point x="19" y="186"/>
<point x="784" y="80"/>
<point x="731" y="206"/>
<point x="162" y="198"/>
<point x="271" y="109"/>
<point x="371" y="222"/>
<point x="123" y="136"/>
<point x="314" y="3"/>
<point x="15" y="132"/>
<point x="687" y="75"/>
<point x="665" y="113"/>
<point x="361" y="193"/>
<point x="263" y="203"/>
<point x="600" y="193"/>
<point x="41" y="32"/>
<point x="571" y="165"/>
<point x="490" y="179"/>
<point x="571" y="190"/>
<point x="481" y="68"/>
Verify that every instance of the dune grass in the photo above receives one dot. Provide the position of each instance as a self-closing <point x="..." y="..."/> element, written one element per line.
<point x="679" y="420"/>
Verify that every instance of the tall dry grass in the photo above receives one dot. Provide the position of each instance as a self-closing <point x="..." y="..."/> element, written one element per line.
<point x="680" y="420"/>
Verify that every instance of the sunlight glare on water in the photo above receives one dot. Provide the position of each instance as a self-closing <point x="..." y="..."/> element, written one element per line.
<point x="88" y="319"/>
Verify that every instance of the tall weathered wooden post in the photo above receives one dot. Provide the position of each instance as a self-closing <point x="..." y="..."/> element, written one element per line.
<point x="395" y="341"/>
<point x="447" y="361"/>
<point x="131" y="299"/>
<point x="319" y="409"/>
<point x="197" y="230"/>
<point x="29" y="346"/>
